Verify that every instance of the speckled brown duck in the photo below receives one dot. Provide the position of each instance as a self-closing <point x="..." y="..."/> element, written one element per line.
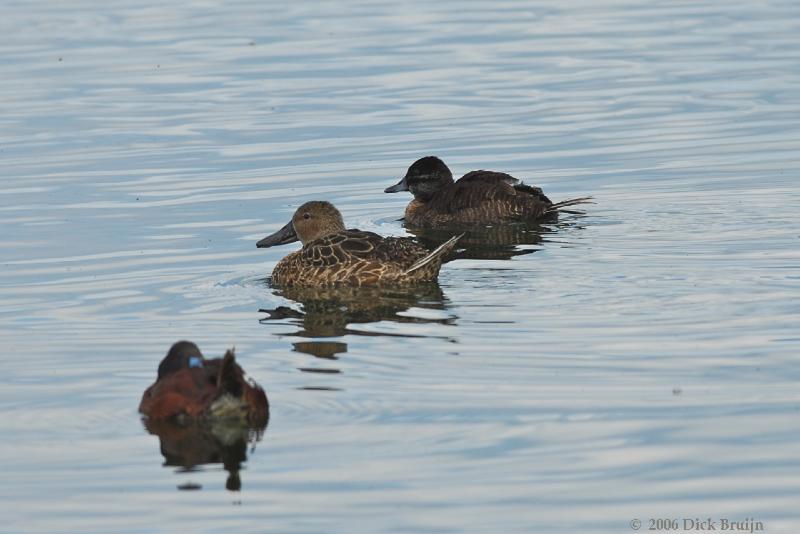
<point x="191" y="388"/>
<point x="478" y="197"/>
<point x="332" y="255"/>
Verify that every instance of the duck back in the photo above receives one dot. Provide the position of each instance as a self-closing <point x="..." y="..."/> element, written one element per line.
<point x="355" y="257"/>
<point x="480" y="197"/>
<point x="215" y="388"/>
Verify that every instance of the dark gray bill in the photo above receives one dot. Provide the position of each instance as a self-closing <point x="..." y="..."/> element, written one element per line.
<point x="402" y="185"/>
<point x="281" y="237"/>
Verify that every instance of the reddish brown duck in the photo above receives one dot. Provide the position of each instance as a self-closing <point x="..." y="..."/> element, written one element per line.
<point x="190" y="387"/>
<point x="332" y="255"/>
<point x="478" y="197"/>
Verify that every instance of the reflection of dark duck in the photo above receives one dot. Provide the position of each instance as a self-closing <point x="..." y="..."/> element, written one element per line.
<point x="496" y="242"/>
<point x="197" y="443"/>
<point x="190" y="387"/>
<point x="478" y="197"/>
<point x="333" y="255"/>
<point x="328" y="311"/>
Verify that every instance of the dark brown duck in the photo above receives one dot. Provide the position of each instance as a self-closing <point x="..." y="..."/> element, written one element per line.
<point x="334" y="255"/>
<point x="478" y="197"/>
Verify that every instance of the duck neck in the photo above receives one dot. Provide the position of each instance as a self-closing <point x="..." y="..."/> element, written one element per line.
<point x="329" y="229"/>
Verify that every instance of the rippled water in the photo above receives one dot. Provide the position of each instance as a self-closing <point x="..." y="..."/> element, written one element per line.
<point x="639" y="361"/>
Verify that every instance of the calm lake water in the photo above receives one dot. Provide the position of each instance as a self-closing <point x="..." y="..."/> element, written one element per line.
<point x="641" y="361"/>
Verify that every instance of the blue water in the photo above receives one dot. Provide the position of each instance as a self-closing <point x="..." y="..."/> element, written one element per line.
<point x="636" y="362"/>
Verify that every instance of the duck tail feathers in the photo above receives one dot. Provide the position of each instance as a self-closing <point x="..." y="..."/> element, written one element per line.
<point x="229" y="378"/>
<point x="436" y="255"/>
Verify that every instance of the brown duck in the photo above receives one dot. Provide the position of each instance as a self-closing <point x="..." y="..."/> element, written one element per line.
<point x="192" y="388"/>
<point x="478" y="197"/>
<point x="333" y="255"/>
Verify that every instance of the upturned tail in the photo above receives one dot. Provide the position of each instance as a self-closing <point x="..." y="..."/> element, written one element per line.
<point x="436" y="255"/>
<point x="559" y="206"/>
<point x="229" y="379"/>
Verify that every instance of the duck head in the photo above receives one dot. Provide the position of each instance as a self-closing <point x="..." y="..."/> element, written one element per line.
<point x="182" y="355"/>
<point x="424" y="178"/>
<point x="313" y="220"/>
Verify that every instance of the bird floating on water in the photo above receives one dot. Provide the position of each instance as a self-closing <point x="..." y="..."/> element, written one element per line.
<point x="191" y="387"/>
<point x="334" y="255"/>
<point x="478" y="197"/>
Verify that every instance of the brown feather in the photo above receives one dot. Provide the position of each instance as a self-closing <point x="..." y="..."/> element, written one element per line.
<point x="481" y="197"/>
<point x="354" y="257"/>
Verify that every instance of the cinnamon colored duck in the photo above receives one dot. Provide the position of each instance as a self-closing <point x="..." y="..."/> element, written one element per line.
<point x="333" y="255"/>
<point x="478" y="197"/>
<point x="190" y="387"/>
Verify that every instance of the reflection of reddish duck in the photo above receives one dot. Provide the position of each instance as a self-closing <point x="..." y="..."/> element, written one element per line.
<point x="196" y="443"/>
<point x="189" y="386"/>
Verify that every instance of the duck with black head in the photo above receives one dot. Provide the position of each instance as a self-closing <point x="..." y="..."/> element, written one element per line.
<point x="333" y="255"/>
<point x="478" y="197"/>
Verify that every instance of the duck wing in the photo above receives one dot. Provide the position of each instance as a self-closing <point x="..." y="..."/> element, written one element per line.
<point x="402" y="250"/>
<point x="357" y="245"/>
<point x="476" y="188"/>
<point x="184" y="392"/>
<point x="489" y="177"/>
<point x="341" y="248"/>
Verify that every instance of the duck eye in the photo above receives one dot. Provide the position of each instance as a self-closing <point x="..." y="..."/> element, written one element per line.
<point x="306" y="215"/>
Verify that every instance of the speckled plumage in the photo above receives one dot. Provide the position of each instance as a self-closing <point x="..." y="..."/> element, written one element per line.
<point x="478" y="197"/>
<point x="332" y="255"/>
<point x="356" y="258"/>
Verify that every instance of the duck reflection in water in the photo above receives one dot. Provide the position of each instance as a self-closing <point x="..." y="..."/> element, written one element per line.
<point x="500" y="242"/>
<point x="496" y="242"/>
<point x="188" y="445"/>
<point x="204" y="411"/>
<point x="332" y="312"/>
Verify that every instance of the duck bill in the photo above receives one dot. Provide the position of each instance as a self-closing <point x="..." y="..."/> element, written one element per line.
<point x="281" y="237"/>
<point x="402" y="185"/>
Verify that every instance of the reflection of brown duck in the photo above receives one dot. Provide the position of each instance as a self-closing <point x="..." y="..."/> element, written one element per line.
<point x="478" y="197"/>
<point x="190" y="387"/>
<point x="197" y="443"/>
<point x="327" y="350"/>
<point x="328" y="312"/>
<point x="332" y="255"/>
